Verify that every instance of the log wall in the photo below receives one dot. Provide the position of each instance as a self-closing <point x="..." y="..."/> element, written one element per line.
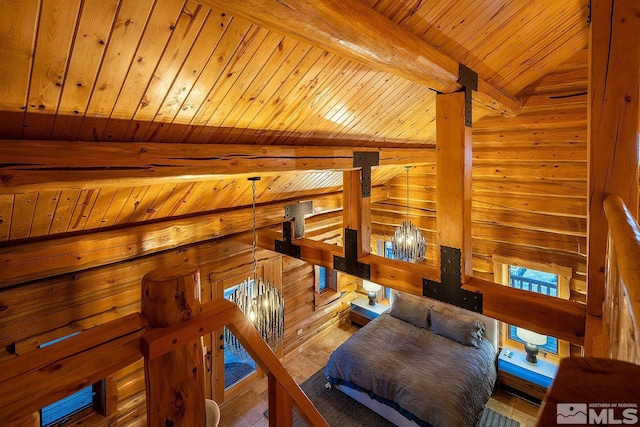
<point x="40" y="311"/>
<point x="529" y="182"/>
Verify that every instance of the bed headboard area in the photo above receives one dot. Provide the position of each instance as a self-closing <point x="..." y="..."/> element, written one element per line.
<point x="491" y="332"/>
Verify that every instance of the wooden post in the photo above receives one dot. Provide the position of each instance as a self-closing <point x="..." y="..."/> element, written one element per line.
<point x="280" y="405"/>
<point x="453" y="178"/>
<point x="613" y="126"/>
<point x="357" y="210"/>
<point x="175" y="381"/>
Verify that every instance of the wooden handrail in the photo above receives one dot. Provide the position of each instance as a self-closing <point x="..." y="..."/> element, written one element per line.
<point x="621" y="311"/>
<point x="603" y="380"/>
<point x="219" y="313"/>
<point x="38" y="378"/>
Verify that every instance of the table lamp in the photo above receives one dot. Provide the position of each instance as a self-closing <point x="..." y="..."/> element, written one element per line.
<point x="531" y="342"/>
<point x="372" y="289"/>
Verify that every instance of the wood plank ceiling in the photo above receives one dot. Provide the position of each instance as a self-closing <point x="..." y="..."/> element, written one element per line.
<point x="178" y="71"/>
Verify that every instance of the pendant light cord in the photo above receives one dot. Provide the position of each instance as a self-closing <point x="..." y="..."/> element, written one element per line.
<point x="407" y="168"/>
<point x="255" y="257"/>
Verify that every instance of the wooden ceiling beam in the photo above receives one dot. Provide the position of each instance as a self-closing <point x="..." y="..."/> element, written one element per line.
<point x="38" y="260"/>
<point x="556" y="317"/>
<point x="353" y="30"/>
<point x="560" y="318"/>
<point x="57" y="165"/>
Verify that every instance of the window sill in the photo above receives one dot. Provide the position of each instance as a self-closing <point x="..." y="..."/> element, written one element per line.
<point x="532" y="379"/>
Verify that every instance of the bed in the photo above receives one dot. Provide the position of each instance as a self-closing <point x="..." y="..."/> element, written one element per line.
<point x="422" y="363"/>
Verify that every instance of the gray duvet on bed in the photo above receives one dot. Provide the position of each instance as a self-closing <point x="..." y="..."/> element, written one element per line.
<point x="438" y="380"/>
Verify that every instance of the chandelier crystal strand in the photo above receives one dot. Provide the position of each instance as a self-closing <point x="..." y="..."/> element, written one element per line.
<point x="259" y="300"/>
<point x="408" y="243"/>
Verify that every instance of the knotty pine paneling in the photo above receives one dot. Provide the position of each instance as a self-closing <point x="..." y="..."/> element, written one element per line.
<point x="128" y="27"/>
<point x="6" y="212"/>
<point x="95" y="23"/>
<point x="53" y="45"/>
<point x="55" y="213"/>
<point x="160" y="58"/>
<point x="44" y="213"/>
<point x="174" y="70"/>
<point x="24" y="206"/>
<point x="18" y="24"/>
<point x="507" y="42"/>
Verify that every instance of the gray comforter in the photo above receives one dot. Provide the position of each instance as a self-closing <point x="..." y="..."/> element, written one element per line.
<point x="440" y="381"/>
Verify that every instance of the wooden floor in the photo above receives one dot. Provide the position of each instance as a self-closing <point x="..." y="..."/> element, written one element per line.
<point x="247" y="409"/>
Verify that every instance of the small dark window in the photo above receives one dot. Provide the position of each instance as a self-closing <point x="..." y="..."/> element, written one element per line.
<point x="325" y="286"/>
<point x="388" y="253"/>
<point x="60" y="411"/>
<point x="388" y="250"/>
<point x="322" y="279"/>
<point x="71" y="408"/>
<point x="327" y="280"/>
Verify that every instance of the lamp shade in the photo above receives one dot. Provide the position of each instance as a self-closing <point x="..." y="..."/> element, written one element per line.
<point x="370" y="286"/>
<point x="531" y="337"/>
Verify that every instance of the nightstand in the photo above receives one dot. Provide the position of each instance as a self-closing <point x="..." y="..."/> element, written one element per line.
<point x="531" y="379"/>
<point x="362" y="313"/>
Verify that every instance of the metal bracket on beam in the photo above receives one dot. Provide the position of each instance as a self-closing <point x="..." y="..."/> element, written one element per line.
<point x="296" y="212"/>
<point x="469" y="81"/>
<point x="450" y="290"/>
<point x="285" y="246"/>
<point x="350" y="264"/>
<point x="365" y="160"/>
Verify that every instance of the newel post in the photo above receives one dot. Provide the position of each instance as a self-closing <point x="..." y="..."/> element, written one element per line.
<point x="175" y="381"/>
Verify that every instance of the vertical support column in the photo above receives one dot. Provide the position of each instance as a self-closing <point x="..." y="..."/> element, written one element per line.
<point x="280" y="405"/>
<point x="613" y="126"/>
<point x="357" y="210"/>
<point x="453" y="178"/>
<point x="174" y="382"/>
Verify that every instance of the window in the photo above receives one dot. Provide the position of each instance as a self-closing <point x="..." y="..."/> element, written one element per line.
<point x="386" y="248"/>
<point x="325" y="286"/>
<point x="539" y="278"/>
<point x="533" y="280"/>
<point x="74" y="407"/>
<point x="539" y="282"/>
<point x="238" y="364"/>
<point x="62" y="411"/>
<point x="322" y="279"/>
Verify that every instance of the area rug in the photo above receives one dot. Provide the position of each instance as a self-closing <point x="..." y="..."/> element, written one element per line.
<point x="235" y="372"/>
<point x="342" y="411"/>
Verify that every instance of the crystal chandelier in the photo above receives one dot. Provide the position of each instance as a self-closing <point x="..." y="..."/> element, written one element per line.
<point x="408" y="243"/>
<point x="259" y="300"/>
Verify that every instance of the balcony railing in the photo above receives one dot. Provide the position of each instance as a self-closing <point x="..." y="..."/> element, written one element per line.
<point x="600" y="385"/>
<point x="31" y="381"/>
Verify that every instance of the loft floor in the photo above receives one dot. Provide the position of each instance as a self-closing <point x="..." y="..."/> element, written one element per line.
<point x="247" y="409"/>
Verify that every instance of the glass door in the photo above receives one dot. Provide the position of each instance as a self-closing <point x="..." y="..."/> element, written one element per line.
<point x="238" y="364"/>
<point x="234" y="366"/>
